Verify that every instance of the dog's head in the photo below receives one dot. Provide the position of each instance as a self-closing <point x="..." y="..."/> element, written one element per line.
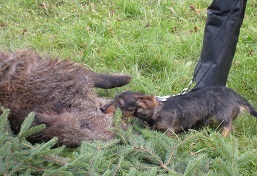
<point x="132" y="104"/>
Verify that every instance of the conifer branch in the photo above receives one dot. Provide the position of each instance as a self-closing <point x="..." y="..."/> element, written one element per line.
<point x="156" y="157"/>
<point x="55" y="159"/>
<point x="26" y="124"/>
<point x="118" y="165"/>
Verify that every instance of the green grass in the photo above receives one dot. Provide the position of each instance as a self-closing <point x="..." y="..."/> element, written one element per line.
<point x="157" y="42"/>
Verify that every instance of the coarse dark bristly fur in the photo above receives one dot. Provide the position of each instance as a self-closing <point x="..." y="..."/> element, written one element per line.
<point x="59" y="93"/>
<point x="183" y="112"/>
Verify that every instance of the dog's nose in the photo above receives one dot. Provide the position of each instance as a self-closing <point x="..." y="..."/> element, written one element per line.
<point x="107" y="109"/>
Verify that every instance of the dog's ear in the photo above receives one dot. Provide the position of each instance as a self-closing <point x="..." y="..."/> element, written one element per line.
<point x="147" y="102"/>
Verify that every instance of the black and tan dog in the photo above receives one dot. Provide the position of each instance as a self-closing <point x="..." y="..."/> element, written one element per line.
<point x="183" y="112"/>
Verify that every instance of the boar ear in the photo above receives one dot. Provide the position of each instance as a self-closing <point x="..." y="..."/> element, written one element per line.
<point x="147" y="102"/>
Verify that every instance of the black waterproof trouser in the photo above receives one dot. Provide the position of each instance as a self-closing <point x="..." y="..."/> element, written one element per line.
<point x="224" y="20"/>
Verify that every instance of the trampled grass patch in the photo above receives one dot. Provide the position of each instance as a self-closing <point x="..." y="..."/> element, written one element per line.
<point x="158" y="43"/>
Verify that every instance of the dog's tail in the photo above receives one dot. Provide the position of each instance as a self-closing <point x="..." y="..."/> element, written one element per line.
<point x="252" y="111"/>
<point x="107" y="81"/>
<point x="246" y="105"/>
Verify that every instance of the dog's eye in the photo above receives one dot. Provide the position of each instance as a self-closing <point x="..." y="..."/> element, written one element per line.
<point x="119" y="103"/>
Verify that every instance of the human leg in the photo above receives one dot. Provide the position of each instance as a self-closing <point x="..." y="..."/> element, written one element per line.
<point x="224" y="20"/>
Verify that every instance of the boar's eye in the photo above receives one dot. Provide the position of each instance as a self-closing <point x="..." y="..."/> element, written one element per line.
<point x="84" y="125"/>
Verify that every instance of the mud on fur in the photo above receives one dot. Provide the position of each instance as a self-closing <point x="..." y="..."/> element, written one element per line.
<point x="180" y="113"/>
<point x="60" y="94"/>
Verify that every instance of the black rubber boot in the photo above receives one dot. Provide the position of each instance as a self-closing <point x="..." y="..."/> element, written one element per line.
<point x="224" y="19"/>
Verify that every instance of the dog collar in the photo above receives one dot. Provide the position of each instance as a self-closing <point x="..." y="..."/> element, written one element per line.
<point x="162" y="98"/>
<point x="165" y="98"/>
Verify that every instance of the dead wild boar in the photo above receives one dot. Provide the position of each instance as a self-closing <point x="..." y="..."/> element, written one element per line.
<point x="59" y="93"/>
